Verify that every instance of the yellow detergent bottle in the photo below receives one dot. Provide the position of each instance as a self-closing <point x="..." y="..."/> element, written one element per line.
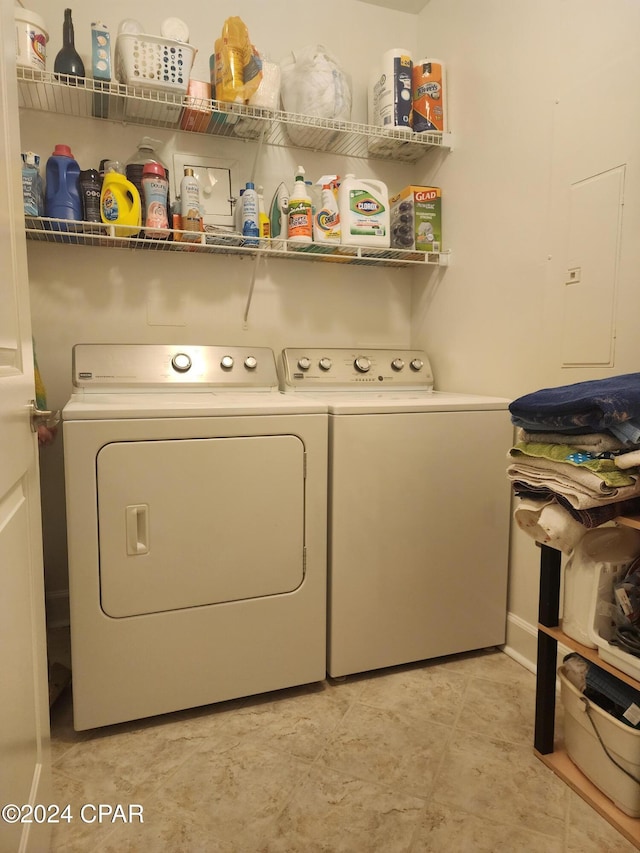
<point x="120" y="204"/>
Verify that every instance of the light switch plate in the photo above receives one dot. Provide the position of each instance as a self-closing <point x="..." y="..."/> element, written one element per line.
<point x="216" y="179"/>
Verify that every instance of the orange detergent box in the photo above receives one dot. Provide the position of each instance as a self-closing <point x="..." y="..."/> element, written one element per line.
<point x="197" y="112"/>
<point x="416" y="219"/>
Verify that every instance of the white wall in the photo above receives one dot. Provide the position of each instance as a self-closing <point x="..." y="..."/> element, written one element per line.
<point x="542" y="95"/>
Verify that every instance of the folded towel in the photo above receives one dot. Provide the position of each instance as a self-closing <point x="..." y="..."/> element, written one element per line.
<point x="592" y="405"/>
<point x="548" y="523"/>
<point x="580" y="487"/>
<point x="590" y="517"/>
<point x="565" y="454"/>
<point x="595" y="442"/>
<point x="628" y="460"/>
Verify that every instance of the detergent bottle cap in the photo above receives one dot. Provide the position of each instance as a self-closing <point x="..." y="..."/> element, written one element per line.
<point x="300" y="174"/>
<point x="250" y="185"/>
<point x="62" y="151"/>
<point x="153" y="169"/>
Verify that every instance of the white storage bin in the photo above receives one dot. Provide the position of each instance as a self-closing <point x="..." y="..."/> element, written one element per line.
<point x="586" y="751"/>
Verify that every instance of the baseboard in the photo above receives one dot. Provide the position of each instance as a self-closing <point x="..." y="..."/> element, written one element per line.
<point x="57" y="606"/>
<point x="522" y="643"/>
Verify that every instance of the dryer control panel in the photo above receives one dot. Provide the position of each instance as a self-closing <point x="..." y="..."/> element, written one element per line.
<point x="315" y="369"/>
<point x="153" y="366"/>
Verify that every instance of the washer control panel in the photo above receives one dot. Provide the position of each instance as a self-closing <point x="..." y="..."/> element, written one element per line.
<point x="307" y="369"/>
<point x="110" y="366"/>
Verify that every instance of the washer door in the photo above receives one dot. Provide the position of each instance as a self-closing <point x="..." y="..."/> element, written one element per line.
<point x="190" y="522"/>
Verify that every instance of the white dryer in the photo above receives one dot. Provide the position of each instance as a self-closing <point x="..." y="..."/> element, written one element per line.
<point x="419" y="508"/>
<point x="196" y="514"/>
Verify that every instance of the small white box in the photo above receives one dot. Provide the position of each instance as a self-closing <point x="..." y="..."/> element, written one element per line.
<point x="587" y="753"/>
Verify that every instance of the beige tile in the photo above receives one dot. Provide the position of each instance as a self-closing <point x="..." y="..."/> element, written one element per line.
<point x="217" y="801"/>
<point x="501" y="782"/>
<point x="498" y="710"/>
<point x="491" y="664"/>
<point x="336" y="813"/>
<point x="76" y="833"/>
<point x="297" y="721"/>
<point x="432" y="691"/>
<point x="588" y="832"/>
<point x="398" y="750"/>
<point x="442" y="828"/>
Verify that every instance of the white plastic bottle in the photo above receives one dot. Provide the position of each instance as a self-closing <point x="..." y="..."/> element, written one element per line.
<point x="190" y="202"/>
<point x="326" y="220"/>
<point x="250" y="231"/>
<point x="364" y="212"/>
<point x="300" y="213"/>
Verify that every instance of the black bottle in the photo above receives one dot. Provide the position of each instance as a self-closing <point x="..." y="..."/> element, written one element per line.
<point x="68" y="59"/>
<point x="90" y="187"/>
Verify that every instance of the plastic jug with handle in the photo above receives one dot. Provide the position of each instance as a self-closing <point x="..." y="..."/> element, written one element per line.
<point x="120" y="203"/>
<point x="364" y="212"/>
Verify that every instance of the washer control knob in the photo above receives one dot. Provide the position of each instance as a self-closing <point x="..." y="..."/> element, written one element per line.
<point x="362" y="363"/>
<point x="325" y="363"/>
<point x="251" y="362"/>
<point x="417" y="364"/>
<point x="397" y="364"/>
<point x="226" y="362"/>
<point x="181" y="362"/>
<point x="304" y="363"/>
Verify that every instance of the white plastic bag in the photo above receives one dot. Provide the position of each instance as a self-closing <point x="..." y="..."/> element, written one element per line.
<point x="314" y="84"/>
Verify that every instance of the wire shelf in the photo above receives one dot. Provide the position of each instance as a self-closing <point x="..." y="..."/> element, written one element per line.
<point x="88" y="98"/>
<point x="72" y="232"/>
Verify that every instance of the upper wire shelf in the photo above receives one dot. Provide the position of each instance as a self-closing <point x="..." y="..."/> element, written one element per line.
<point x="88" y="98"/>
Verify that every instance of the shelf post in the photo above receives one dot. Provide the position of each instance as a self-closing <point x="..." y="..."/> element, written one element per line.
<point x="548" y="613"/>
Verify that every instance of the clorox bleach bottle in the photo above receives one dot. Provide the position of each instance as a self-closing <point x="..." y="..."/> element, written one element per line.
<point x="364" y="212"/>
<point x="300" y="211"/>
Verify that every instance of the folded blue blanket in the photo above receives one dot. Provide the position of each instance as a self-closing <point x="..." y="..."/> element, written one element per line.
<point x="589" y="406"/>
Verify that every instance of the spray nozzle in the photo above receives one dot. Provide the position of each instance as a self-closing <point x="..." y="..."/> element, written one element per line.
<point x="300" y="174"/>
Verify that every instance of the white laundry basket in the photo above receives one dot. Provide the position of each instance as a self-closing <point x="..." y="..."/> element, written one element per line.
<point x="585" y="750"/>
<point x="158" y="69"/>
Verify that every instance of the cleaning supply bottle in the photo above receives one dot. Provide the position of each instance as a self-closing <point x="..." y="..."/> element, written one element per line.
<point x="364" y="212"/>
<point x="145" y="153"/>
<point x="90" y="191"/>
<point x="62" y="191"/>
<point x="264" y="226"/>
<point x="300" y="215"/>
<point x="190" y="202"/>
<point x="326" y="220"/>
<point x="120" y="201"/>
<point x="250" y="231"/>
<point x="32" y="185"/>
<point x="68" y="59"/>
<point x="155" y="187"/>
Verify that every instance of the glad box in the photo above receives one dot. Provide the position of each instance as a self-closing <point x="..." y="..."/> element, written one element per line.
<point x="416" y="219"/>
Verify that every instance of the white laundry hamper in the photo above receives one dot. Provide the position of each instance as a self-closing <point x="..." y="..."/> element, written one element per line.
<point x="622" y="743"/>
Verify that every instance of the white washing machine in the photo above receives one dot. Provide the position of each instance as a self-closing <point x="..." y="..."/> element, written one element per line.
<point x="196" y="511"/>
<point x="419" y="508"/>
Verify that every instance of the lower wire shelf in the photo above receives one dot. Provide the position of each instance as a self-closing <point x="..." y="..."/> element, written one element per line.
<point x="74" y="232"/>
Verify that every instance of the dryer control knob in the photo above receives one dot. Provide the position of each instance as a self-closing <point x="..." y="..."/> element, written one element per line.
<point x="304" y="363"/>
<point x="417" y="364"/>
<point x="226" y="362"/>
<point x="181" y="362"/>
<point x="397" y="364"/>
<point x="362" y="363"/>
<point x="251" y="362"/>
<point x="325" y="363"/>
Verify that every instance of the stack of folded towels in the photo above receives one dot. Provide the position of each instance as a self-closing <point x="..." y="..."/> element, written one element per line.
<point x="576" y="461"/>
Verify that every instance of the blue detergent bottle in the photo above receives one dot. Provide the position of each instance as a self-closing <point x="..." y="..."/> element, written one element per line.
<point x="62" y="199"/>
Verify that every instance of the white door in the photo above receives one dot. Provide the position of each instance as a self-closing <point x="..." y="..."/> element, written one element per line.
<point x="24" y="704"/>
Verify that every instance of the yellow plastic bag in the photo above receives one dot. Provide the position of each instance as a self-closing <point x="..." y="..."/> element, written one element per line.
<point x="238" y="69"/>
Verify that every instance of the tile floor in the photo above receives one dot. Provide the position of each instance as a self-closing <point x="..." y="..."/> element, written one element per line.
<point x="428" y="758"/>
